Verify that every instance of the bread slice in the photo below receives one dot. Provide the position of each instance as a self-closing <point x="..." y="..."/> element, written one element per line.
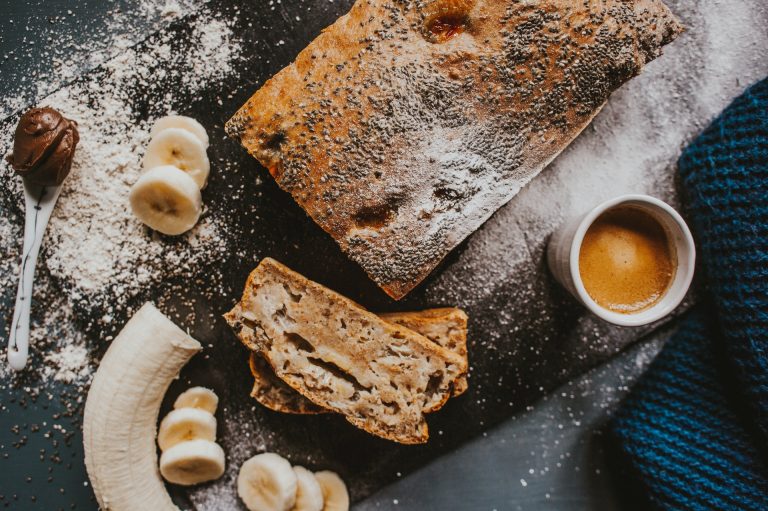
<point x="404" y="125"/>
<point x="273" y="393"/>
<point x="380" y="376"/>
<point x="446" y="327"/>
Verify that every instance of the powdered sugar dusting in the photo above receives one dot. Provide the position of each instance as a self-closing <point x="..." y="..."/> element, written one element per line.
<point x="241" y="437"/>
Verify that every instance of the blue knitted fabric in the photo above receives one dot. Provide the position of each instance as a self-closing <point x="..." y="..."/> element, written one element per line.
<point x="695" y="427"/>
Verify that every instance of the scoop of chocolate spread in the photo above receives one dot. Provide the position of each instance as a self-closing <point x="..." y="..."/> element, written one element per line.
<point x="43" y="146"/>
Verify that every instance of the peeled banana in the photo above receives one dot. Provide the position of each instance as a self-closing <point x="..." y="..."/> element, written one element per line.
<point x="122" y="407"/>
<point x="267" y="482"/>
<point x="167" y="200"/>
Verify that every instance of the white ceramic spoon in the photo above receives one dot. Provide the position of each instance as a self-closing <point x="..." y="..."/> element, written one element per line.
<point x="39" y="202"/>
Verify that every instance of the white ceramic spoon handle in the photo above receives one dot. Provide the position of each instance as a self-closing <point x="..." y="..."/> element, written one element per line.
<point x="39" y="202"/>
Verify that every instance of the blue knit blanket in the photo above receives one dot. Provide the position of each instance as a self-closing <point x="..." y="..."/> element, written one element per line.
<point x="695" y="427"/>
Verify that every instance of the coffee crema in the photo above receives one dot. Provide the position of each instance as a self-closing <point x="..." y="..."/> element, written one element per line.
<point x="627" y="260"/>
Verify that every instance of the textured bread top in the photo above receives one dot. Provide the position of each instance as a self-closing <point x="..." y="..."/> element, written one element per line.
<point x="447" y="327"/>
<point x="406" y="124"/>
<point x="381" y="376"/>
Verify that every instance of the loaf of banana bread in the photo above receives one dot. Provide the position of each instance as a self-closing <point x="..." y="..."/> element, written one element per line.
<point x="404" y="125"/>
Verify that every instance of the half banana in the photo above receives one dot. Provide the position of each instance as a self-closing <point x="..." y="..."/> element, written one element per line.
<point x="122" y="407"/>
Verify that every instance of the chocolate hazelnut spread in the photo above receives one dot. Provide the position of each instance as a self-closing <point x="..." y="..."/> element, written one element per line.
<point x="43" y="146"/>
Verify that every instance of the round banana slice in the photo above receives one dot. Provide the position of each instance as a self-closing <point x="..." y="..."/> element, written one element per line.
<point x="192" y="462"/>
<point x="198" y="397"/>
<point x="186" y="424"/>
<point x="309" y="495"/>
<point x="183" y="150"/>
<point x="181" y="122"/>
<point x="167" y="200"/>
<point x="335" y="493"/>
<point x="267" y="482"/>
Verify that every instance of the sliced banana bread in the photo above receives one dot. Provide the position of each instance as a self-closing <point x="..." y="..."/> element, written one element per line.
<point x="446" y="327"/>
<point x="381" y="377"/>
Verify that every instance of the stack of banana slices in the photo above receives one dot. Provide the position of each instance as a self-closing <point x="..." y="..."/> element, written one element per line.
<point x="268" y="482"/>
<point x="187" y="439"/>
<point x="167" y="196"/>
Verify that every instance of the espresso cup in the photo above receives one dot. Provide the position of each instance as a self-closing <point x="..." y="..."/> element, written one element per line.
<point x="565" y="247"/>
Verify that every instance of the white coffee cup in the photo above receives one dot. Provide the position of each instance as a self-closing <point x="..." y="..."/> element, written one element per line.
<point x="565" y="245"/>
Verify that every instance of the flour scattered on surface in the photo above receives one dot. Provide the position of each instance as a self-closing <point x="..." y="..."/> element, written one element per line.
<point x="94" y="243"/>
<point x="95" y="249"/>
<point x="71" y="363"/>
<point x="242" y="437"/>
<point x="215" y="53"/>
<point x="83" y="42"/>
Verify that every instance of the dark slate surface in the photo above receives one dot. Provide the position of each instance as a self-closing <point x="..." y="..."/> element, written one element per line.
<point x="527" y="336"/>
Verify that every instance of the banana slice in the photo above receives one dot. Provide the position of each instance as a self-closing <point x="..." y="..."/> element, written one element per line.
<point x="309" y="495"/>
<point x="186" y="424"/>
<point x="183" y="150"/>
<point x="181" y="122"/>
<point x="267" y="482"/>
<point x="192" y="462"/>
<point x="167" y="200"/>
<point x="198" y="397"/>
<point x="335" y="493"/>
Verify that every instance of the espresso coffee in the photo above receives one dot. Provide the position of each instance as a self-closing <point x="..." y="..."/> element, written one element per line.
<point x="627" y="260"/>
